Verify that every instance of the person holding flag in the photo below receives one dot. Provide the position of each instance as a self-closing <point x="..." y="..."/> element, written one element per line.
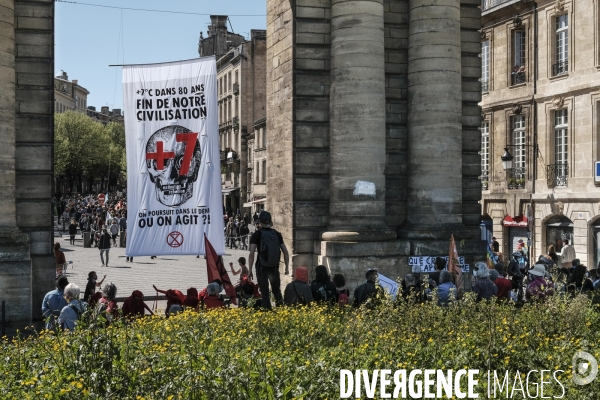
<point x="216" y="270"/>
<point x="454" y="267"/>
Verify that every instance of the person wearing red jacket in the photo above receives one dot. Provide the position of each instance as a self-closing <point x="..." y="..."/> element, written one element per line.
<point x="173" y="297"/>
<point x="134" y="306"/>
<point x="213" y="300"/>
<point x="191" y="299"/>
<point x="504" y="285"/>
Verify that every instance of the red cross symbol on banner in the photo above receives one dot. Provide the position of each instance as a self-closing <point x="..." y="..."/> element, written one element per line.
<point x="175" y="239"/>
<point x="160" y="156"/>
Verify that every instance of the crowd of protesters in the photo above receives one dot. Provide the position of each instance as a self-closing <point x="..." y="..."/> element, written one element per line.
<point x="516" y="282"/>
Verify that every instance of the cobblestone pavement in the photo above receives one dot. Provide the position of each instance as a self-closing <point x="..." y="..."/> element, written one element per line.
<point x="166" y="272"/>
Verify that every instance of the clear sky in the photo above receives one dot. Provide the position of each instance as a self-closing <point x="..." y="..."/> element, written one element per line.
<point x="88" y="38"/>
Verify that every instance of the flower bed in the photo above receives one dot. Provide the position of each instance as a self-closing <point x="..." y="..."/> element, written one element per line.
<point x="298" y="352"/>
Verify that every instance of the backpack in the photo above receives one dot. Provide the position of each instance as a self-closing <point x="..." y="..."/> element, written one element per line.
<point x="343" y="298"/>
<point x="269" y="248"/>
<point x="513" y="269"/>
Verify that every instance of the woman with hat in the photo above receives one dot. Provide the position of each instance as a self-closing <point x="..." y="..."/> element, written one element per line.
<point x="540" y="287"/>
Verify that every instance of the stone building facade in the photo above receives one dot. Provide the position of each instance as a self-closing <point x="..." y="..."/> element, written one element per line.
<point x="372" y="108"/>
<point x="241" y="95"/>
<point x="69" y="95"/>
<point x="219" y="40"/>
<point x="26" y="136"/>
<point x="106" y="115"/>
<point x="541" y="101"/>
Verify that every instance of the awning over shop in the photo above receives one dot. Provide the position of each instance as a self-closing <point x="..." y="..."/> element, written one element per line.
<point x="247" y="205"/>
<point x="229" y="190"/>
<point x="520" y="221"/>
<point x="263" y="200"/>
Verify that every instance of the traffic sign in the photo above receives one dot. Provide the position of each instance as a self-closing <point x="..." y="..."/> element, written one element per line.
<point x="101" y="198"/>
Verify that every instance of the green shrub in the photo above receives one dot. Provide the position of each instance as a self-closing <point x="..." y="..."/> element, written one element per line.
<point x="297" y="352"/>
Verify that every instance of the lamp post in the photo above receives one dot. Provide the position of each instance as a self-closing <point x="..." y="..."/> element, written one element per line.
<point x="507" y="159"/>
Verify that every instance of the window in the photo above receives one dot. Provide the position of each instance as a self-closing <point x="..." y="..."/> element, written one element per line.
<point x="225" y="82"/>
<point x="229" y="87"/>
<point x="485" y="154"/>
<point x="485" y="66"/>
<point x="256" y="173"/>
<point x="264" y="137"/>
<point x="560" y="136"/>
<point x="562" y="45"/>
<point x="519" y="141"/>
<point x="264" y="170"/>
<point x="518" y="72"/>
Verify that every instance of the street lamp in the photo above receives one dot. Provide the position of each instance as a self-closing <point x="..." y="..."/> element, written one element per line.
<point x="507" y="159"/>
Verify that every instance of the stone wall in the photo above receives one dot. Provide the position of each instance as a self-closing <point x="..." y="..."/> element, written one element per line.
<point x="26" y="104"/>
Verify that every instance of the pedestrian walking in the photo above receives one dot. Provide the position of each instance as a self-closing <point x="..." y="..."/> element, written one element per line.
<point x="104" y="246"/>
<point x="72" y="231"/>
<point x="114" y="231"/>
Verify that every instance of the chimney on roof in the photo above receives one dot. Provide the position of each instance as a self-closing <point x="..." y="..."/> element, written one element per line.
<point x="74" y="81"/>
<point x="104" y="110"/>
<point x="116" y="112"/>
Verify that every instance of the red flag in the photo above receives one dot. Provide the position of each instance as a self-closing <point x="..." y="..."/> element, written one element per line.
<point x="454" y="266"/>
<point x="216" y="269"/>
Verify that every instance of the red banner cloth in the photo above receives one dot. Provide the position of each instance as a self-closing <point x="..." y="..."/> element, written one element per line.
<point x="216" y="270"/>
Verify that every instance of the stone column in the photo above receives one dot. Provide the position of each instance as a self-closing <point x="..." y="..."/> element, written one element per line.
<point x="357" y="115"/>
<point x="358" y="238"/>
<point x="15" y="263"/>
<point x="434" y="119"/>
<point x="7" y="115"/>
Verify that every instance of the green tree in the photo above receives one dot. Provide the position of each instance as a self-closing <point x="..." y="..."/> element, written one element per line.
<point x="87" y="149"/>
<point x="76" y="143"/>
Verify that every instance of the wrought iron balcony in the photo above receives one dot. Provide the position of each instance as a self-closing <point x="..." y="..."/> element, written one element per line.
<point x="560" y="68"/>
<point x="487" y="4"/>
<point x="557" y="175"/>
<point x="484" y="86"/>
<point x="518" y="78"/>
<point x="485" y="180"/>
<point x="515" y="178"/>
<point x="236" y="88"/>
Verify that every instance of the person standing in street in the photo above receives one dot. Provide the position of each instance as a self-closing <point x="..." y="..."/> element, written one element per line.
<point x="269" y="244"/>
<point x="114" y="231"/>
<point x="495" y="245"/>
<point x="104" y="246"/>
<point x="367" y="290"/>
<point x="567" y="254"/>
<point x="72" y="231"/>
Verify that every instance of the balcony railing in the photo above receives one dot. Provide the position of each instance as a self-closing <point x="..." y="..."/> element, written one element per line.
<point x="515" y="178"/>
<point x="557" y="175"/>
<point x="236" y="88"/>
<point x="236" y="121"/>
<point x="518" y="78"/>
<point x="485" y="180"/>
<point x="487" y="4"/>
<point x="560" y="68"/>
<point x="484" y="86"/>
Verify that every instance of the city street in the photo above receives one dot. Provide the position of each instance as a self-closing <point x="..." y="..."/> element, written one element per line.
<point x="166" y="272"/>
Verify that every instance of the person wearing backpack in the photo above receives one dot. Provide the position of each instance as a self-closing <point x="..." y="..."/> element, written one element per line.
<point x="323" y="290"/>
<point x="269" y="244"/>
<point x="342" y="295"/>
<point x="298" y="291"/>
<point x="73" y="310"/>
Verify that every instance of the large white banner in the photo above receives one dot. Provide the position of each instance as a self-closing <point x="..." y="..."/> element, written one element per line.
<point x="173" y="158"/>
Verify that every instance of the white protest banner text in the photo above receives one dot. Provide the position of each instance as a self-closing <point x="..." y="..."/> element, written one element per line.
<point x="173" y="158"/>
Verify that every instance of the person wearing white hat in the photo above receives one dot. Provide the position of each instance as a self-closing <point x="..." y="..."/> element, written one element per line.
<point x="541" y="287"/>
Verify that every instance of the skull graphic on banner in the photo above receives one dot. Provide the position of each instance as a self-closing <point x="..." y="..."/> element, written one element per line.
<point x="173" y="161"/>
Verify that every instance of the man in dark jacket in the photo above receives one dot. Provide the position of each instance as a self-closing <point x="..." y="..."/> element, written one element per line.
<point x="367" y="290"/>
<point x="104" y="245"/>
<point x="298" y="291"/>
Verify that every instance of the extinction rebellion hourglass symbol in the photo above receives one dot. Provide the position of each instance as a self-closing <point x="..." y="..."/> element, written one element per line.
<point x="175" y="239"/>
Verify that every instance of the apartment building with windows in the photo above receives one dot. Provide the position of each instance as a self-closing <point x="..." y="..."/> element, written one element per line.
<point x="241" y="86"/>
<point x="541" y="111"/>
<point x="69" y="95"/>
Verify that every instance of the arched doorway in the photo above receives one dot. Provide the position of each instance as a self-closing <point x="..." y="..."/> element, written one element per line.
<point x="558" y="229"/>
